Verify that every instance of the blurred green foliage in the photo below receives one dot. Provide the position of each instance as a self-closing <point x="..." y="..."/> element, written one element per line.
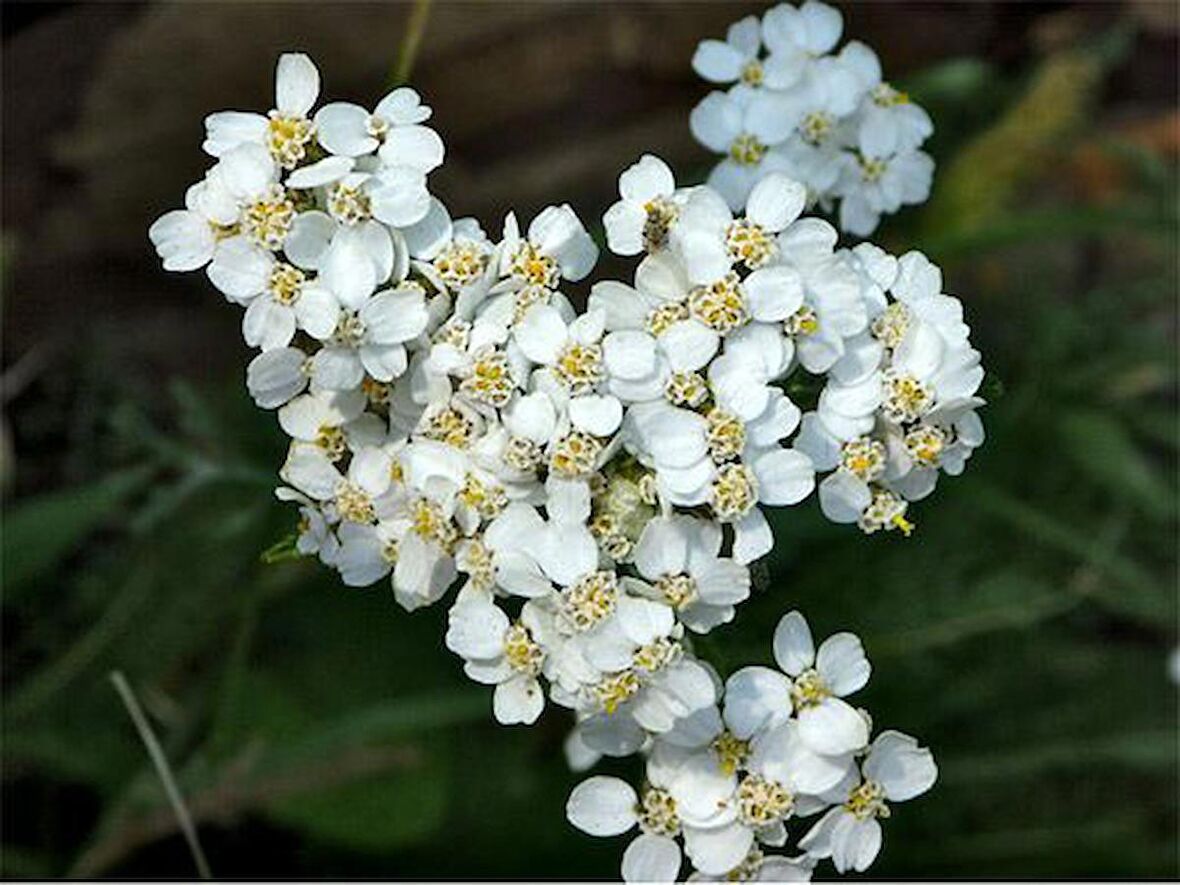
<point x="1023" y="632"/>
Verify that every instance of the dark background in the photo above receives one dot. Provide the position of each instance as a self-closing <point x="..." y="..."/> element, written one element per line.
<point x="1024" y="632"/>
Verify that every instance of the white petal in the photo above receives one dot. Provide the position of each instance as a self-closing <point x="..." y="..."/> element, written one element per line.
<point x="240" y="269"/>
<point x="773" y="293"/>
<point x="418" y="147"/>
<point x="268" y="324"/>
<point x="716" y="121"/>
<point x="342" y="129"/>
<point x="399" y="196"/>
<point x="602" y="806"/>
<point x="900" y="766"/>
<point x="225" y="130"/>
<point x="718" y="62"/>
<point x="753" y="538"/>
<point x="689" y="345"/>
<point x="347" y="269"/>
<point x="541" y="334"/>
<point x="650" y="177"/>
<point x="318" y="174"/>
<point x="317" y="312"/>
<point x="756" y="698"/>
<point x="629" y="354"/>
<point x="475" y="628"/>
<point x="308" y="240"/>
<point x="394" y="317"/>
<point x="842" y="664"/>
<point x="426" y="237"/>
<point x="275" y="376"/>
<point x="297" y="84"/>
<point x="785" y="477"/>
<point x="519" y="701"/>
<point x="776" y="201"/>
<point x="833" y="728"/>
<point x="596" y="415"/>
<point x="717" y="851"/>
<point x="651" y="858"/>
<point x="183" y="240"/>
<point x="794" y="649"/>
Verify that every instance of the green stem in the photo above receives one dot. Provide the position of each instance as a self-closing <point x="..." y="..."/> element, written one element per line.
<point x="408" y="54"/>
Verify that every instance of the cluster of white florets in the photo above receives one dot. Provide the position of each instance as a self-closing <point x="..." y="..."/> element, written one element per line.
<point x="728" y="781"/>
<point x="830" y="121"/>
<point x="593" y="483"/>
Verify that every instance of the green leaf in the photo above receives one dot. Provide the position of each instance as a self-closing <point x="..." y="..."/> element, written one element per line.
<point x="1104" y="450"/>
<point x="41" y="532"/>
<point x="374" y="814"/>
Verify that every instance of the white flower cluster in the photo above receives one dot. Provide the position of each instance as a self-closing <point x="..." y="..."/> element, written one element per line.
<point x="593" y="481"/>
<point x="782" y="744"/>
<point x="829" y="121"/>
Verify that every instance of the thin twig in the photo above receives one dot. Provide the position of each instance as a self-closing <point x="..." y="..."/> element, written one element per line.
<point x="408" y="54"/>
<point x="160" y="761"/>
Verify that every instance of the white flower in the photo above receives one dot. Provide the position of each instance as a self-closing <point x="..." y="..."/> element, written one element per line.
<point x="573" y="358"/>
<point x="393" y="129"/>
<point x="710" y="241"/>
<point x="723" y="812"/>
<point x="756" y="698"/>
<point x="608" y="806"/>
<point x="888" y="122"/>
<point x="502" y="653"/>
<point x="896" y="770"/>
<point x="185" y="239"/>
<point x="371" y="340"/>
<point x="286" y="132"/>
<point x="872" y="186"/>
<point x="279" y="298"/>
<point x="557" y="247"/>
<point x="648" y="208"/>
<point x="679" y="557"/>
<point x="745" y="129"/>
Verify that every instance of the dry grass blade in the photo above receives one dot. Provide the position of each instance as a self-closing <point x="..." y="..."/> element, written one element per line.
<point x="160" y="761"/>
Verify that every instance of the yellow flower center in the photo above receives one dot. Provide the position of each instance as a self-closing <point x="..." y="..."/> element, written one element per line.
<point x="266" y="221"/>
<point x="332" y="442"/>
<point x="287" y="138"/>
<point x="866" y="801"/>
<point x="747" y="150"/>
<point x="752" y="73"/>
<point x="816" y="127"/>
<point x="661" y="215"/>
<point x="886" y="511"/>
<point x="749" y="243"/>
<point x="663" y="317"/>
<point x="354" y="504"/>
<point x="657" y="813"/>
<point x="905" y="398"/>
<point x="721" y="305"/>
<point x="589" y="600"/>
<point x="428" y="521"/>
<point x="802" y="323"/>
<point x="490" y="380"/>
<point x="522" y="453"/>
<point x="886" y="96"/>
<point x="679" y="591"/>
<point x="535" y="268"/>
<point x="348" y="205"/>
<point x="808" y="690"/>
<point x="460" y="263"/>
<point x="580" y="367"/>
<point x="762" y="801"/>
<point x="726" y="435"/>
<point x="523" y="654"/>
<point x="891" y="326"/>
<point x="575" y="455"/>
<point x="686" y="389"/>
<point x="613" y="691"/>
<point x="734" y="492"/>
<point x="285" y="282"/>
<point x="925" y="444"/>
<point x="450" y="426"/>
<point x="656" y="655"/>
<point x="864" y="458"/>
<point x="731" y="751"/>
